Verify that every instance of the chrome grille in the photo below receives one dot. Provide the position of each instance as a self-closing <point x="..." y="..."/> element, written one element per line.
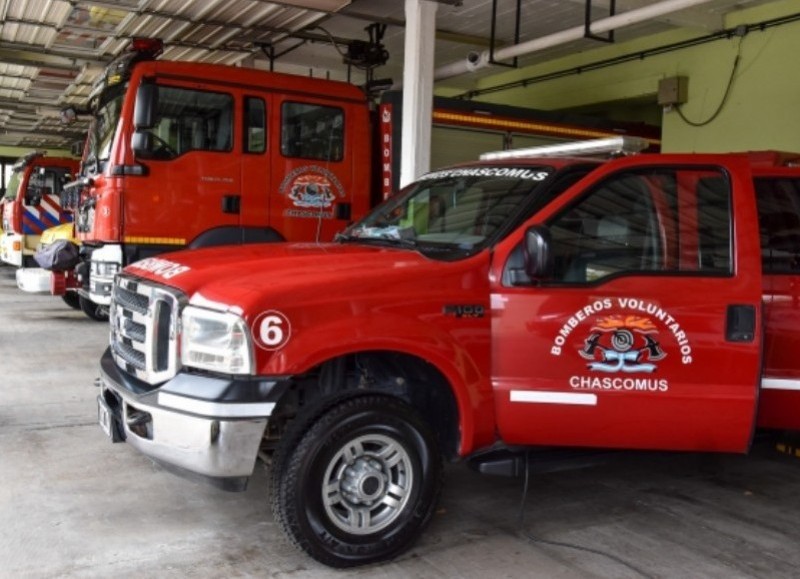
<point x="132" y="330"/>
<point x="130" y="300"/>
<point x="129" y="355"/>
<point x="144" y="329"/>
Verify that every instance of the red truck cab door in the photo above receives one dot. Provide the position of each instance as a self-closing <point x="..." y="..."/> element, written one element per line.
<point x="645" y="329"/>
<point x="320" y="177"/>
<point x="194" y="182"/>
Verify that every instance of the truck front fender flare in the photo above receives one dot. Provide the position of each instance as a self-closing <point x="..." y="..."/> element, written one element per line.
<point x="468" y="378"/>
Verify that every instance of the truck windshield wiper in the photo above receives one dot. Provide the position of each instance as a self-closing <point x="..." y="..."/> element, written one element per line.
<point x="387" y="240"/>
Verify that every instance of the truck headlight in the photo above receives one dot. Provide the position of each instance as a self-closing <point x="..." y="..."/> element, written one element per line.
<point x="215" y="341"/>
<point x="104" y="268"/>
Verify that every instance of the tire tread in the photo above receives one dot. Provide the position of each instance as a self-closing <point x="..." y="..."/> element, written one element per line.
<point x="301" y="435"/>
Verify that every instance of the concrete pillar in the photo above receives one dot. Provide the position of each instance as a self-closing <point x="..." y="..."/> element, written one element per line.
<point x="415" y="157"/>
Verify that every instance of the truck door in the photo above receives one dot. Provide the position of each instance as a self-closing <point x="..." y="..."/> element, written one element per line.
<point x="193" y="180"/>
<point x="256" y="167"/>
<point x="313" y="167"/>
<point x="645" y="330"/>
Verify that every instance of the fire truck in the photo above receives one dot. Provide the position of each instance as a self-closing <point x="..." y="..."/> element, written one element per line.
<point x="32" y="204"/>
<point x="187" y="155"/>
<point x="529" y="300"/>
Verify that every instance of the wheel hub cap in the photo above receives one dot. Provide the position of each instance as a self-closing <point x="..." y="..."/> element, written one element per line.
<point x="367" y="484"/>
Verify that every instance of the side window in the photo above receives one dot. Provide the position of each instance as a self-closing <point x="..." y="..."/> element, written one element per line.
<point x="191" y="120"/>
<point x="650" y="221"/>
<point x="38" y="186"/>
<point x="44" y="182"/>
<point x="255" y="132"/>
<point x="311" y="131"/>
<point x="779" y="221"/>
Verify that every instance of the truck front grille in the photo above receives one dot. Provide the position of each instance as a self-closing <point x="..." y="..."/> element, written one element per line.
<point x="129" y="355"/>
<point x="144" y="329"/>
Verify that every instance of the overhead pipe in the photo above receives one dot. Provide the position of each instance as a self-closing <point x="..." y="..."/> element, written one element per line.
<point x="478" y="60"/>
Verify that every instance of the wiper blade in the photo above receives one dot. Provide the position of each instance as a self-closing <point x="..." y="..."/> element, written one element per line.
<point x="344" y="237"/>
<point x="387" y="240"/>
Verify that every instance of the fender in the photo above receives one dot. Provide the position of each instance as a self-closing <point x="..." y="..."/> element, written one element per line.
<point x="467" y="376"/>
<point x="233" y="235"/>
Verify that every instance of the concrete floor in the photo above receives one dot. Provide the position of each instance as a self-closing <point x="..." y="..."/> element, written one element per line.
<point x="74" y="505"/>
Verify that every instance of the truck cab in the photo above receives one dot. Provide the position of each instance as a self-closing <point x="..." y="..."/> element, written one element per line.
<point x="528" y="300"/>
<point x="187" y="155"/>
<point x="32" y="204"/>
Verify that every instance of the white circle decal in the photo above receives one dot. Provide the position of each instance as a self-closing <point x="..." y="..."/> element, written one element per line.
<point x="272" y="330"/>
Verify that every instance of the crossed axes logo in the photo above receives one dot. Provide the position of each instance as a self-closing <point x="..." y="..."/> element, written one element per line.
<point x="622" y="344"/>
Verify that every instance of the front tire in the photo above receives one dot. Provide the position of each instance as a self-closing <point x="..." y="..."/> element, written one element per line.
<point x="357" y="483"/>
<point x="72" y="299"/>
<point x="95" y="311"/>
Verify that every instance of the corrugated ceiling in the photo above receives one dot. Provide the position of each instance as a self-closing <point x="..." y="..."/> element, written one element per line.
<point x="51" y="51"/>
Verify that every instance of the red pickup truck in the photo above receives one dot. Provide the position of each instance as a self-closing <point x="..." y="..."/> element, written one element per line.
<point x="644" y="302"/>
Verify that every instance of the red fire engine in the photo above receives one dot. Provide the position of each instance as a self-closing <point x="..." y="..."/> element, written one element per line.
<point x="647" y="302"/>
<point x="192" y="155"/>
<point x="31" y="204"/>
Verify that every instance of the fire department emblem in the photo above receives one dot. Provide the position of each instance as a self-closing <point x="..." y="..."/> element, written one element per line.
<point x="311" y="191"/>
<point x="311" y="187"/>
<point x="619" y="343"/>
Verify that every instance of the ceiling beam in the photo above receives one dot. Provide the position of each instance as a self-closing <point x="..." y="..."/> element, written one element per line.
<point x="10" y="104"/>
<point x="33" y="55"/>
<point x="22" y="134"/>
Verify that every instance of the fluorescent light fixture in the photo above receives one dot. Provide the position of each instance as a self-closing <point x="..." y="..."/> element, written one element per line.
<point x="607" y="146"/>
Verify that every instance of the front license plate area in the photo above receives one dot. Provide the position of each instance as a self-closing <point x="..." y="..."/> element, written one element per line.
<point x="105" y="418"/>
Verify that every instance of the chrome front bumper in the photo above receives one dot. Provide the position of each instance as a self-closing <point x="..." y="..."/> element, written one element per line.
<point x="207" y="434"/>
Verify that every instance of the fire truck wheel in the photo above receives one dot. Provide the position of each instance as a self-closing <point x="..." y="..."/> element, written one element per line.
<point x="359" y="484"/>
<point x="72" y="300"/>
<point x="95" y="311"/>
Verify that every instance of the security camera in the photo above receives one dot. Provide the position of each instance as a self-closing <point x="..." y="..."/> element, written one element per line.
<point x="476" y="60"/>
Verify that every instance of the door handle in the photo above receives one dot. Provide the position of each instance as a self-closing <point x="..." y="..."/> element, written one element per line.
<point x="342" y="211"/>
<point x="231" y="203"/>
<point x="740" y="323"/>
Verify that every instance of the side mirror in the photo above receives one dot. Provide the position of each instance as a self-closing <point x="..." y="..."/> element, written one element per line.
<point x="144" y="112"/>
<point x="142" y="143"/>
<point x="76" y="149"/>
<point x="537" y="254"/>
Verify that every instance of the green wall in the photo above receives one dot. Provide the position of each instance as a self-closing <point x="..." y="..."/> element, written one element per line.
<point x="761" y="112"/>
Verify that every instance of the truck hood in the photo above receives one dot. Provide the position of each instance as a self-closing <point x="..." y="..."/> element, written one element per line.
<point x="235" y="278"/>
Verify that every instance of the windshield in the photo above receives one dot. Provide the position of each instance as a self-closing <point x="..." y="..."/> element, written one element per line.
<point x="104" y="123"/>
<point x="12" y="189"/>
<point x="458" y="209"/>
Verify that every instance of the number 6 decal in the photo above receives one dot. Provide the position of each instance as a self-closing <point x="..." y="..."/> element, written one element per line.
<point x="272" y="330"/>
